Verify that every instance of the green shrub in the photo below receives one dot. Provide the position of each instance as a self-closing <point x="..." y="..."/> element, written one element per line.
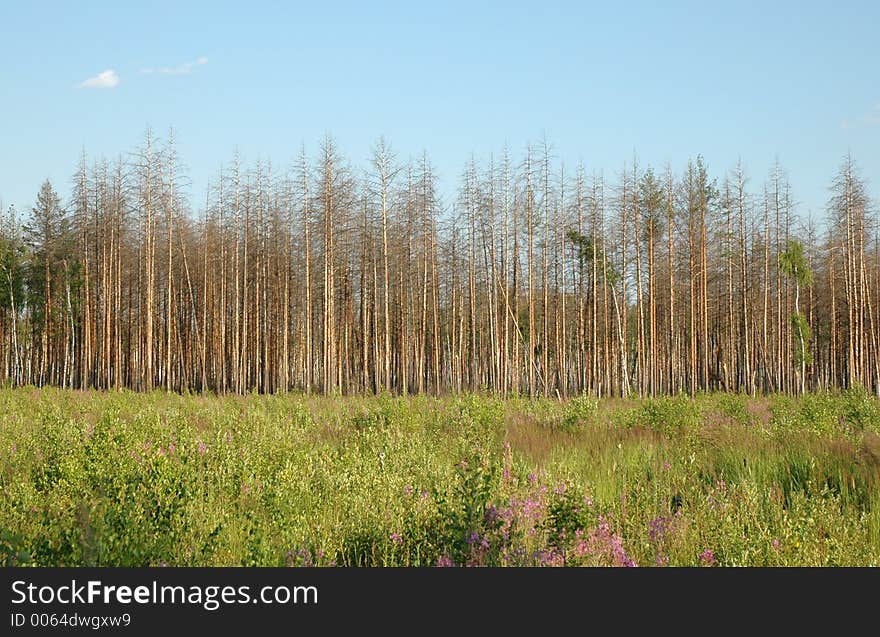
<point x="126" y="479"/>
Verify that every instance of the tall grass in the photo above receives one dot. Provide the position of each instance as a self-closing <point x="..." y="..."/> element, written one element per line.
<point x="148" y="479"/>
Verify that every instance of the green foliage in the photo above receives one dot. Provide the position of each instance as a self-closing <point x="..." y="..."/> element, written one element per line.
<point x="12" y="256"/>
<point x="578" y="413"/>
<point x="860" y="411"/>
<point x="10" y="552"/>
<point x="583" y="245"/>
<point x="653" y="202"/>
<point x="463" y="506"/>
<point x="671" y="415"/>
<point x="125" y="479"/>
<point x="794" y="263"/>
<point x="567" y="512"/>
<point x="586" y="251"/>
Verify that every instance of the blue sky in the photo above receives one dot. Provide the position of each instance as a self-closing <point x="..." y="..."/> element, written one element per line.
<point x="796" y="80"/>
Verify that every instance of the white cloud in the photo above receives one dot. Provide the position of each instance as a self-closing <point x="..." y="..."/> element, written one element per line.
<point x="182" y="69"/>
<point x="104" y="79"/>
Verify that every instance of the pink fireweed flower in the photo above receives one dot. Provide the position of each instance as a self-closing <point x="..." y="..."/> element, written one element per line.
<point x="707" y="558"/>
<point x="603" y="544"/>
<point x="550" y="558"/>
<point x="658" y="528"/>
<point x="445" y="561"/>
<point x="203" y="448"/>
<point x="776" y="543"/>
<point x="532" y="509"/>
<point x="396" y="538"/>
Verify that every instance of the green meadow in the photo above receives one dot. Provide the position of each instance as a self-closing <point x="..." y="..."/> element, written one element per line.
<point x="128" y="479"/>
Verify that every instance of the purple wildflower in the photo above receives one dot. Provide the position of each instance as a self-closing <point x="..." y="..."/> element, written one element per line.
<point x="549" y="558"/>
<point x="707" y="557"/>
<point x="203" y="448"/>
<point x="532" y="509"/>
<point x="776" y="544"/>
<point x="602" y="544"/>
<point x="445" y="561"/>
<point x="658" y="528"/>
<point x="302" y="557"/>
<point x="396" y="538"/>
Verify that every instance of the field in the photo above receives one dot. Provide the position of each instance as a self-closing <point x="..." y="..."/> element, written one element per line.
<point x="126" y="479"/>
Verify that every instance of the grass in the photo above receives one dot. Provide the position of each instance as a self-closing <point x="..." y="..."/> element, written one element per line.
<point x="126" y="479"/>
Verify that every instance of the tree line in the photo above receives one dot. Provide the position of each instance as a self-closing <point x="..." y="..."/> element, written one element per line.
<point x="535" y="279"/>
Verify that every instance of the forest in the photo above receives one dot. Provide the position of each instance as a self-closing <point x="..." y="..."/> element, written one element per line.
<point x="535" y="279"/>
<point x="553" y="367"/>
